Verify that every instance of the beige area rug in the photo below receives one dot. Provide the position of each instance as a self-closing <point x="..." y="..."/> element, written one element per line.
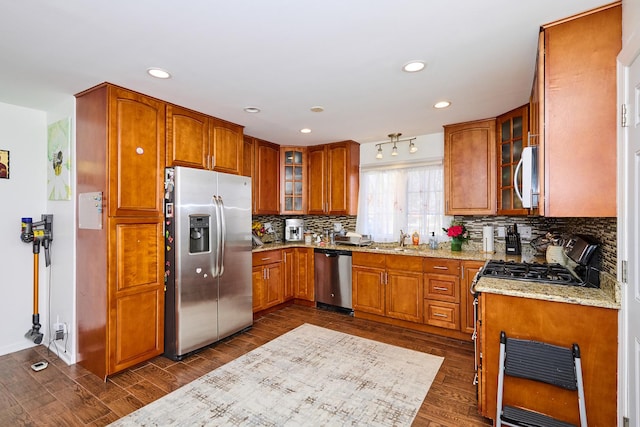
<point x="310" y="376"/>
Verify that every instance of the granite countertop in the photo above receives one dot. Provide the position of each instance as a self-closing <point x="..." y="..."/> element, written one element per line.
<point x="607" y="296"/>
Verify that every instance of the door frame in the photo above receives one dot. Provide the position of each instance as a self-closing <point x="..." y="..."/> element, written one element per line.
<point x="629" y="53"/>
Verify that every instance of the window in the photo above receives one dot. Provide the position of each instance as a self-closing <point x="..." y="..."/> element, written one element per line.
<point x="409" y="199"/>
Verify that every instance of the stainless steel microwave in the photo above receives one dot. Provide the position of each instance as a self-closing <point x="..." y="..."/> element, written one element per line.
<point x="527" y="191"/>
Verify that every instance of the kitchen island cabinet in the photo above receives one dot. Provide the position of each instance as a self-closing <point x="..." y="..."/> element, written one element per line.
<point x="594" y="329"/>
<point x="576" y="65"/>
<point x="470" y="165"/>
<point x="120" y="266"/>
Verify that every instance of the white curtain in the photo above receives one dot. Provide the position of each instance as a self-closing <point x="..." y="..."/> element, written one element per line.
<point x="409" y="199"/>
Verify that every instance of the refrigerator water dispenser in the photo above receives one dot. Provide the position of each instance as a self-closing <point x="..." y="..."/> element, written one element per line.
<point x="198" y="233"/>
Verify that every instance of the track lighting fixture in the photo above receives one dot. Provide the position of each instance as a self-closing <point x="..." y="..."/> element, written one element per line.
<point x="394" y="138"/>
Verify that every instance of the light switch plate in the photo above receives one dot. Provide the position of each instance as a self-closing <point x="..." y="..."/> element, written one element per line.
<point x="501" y="232"/>
<point x="525" y="232"/>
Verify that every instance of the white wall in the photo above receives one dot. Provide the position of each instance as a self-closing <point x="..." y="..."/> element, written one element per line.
<point x="430" y="147"/>
<point x="63" y="255"/>
<point x="24" y="133"/>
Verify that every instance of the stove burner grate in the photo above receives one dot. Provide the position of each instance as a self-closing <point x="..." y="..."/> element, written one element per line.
<point x="531" y="271"/>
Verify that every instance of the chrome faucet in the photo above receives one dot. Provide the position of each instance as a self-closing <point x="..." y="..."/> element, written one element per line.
<point x="403" y="237"/>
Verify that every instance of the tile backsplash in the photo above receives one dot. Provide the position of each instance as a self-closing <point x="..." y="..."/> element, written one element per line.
<point x="604" y="230"/>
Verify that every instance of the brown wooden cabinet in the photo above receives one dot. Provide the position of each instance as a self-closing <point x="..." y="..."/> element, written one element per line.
<point x="200" y="141"/>
<point x="293" y="180"/>
<point x="119" y="267"/>
<point x="333" y="178"/>
<point x="594" y="329"/>
<point x="299" y="274"/>
<point x="467" y="308"/>
<point x="442" y="292"/>
<point x="266" y="178"/>
<point x="574" y="112"/>
<point x="512" y="130"/>
<point x="470" y="168"/>
<point x="247" y="162"/>
<point x="267" y="279"/>
<point x="388" y="285"/>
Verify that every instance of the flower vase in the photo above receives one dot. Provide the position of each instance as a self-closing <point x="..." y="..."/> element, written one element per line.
<point x="456" y="244"/>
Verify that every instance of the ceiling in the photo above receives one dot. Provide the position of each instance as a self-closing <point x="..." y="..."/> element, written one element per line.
<point x="284" y="57"/>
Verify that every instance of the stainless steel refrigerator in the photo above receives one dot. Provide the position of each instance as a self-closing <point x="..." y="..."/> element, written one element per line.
<point x="207" y="258"/>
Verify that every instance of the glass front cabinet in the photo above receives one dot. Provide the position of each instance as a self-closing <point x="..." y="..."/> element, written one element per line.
<point x="293" y="197"/>
<point x="512" y="131"/>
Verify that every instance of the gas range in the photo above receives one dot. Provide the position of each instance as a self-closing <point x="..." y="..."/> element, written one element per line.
<point x="530" y="271"/>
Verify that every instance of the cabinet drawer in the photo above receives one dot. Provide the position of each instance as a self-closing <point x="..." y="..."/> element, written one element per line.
<point x="442" y="314"/>
<point x="441" y="266"/>
<point x="404" y="263"/>
<point x="442" y="287"/>
<point x="368" y="260"/>
<point x="266" y="257"/>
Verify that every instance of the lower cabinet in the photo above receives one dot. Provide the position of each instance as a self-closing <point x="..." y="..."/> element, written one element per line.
<point x="442" y="292"/>
<point x="594" y="329"/>
<point x="298" y="274"/>
<point x="268" y="283"/>
<point x="388" y="285"/>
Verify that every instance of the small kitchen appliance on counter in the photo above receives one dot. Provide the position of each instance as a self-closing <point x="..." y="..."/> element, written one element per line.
<point x="512" y="241"/>
<point x="582" y="250"/>
<point x="293" y="230"/>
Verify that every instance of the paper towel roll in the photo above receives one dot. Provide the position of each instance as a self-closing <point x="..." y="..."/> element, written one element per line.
<point x="487" y="239"/>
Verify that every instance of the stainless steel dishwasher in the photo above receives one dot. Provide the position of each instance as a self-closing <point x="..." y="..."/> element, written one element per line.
<point x="333" y="278"/>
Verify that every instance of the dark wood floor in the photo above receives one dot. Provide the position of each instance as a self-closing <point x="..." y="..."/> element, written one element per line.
<point x="62" y="395"/>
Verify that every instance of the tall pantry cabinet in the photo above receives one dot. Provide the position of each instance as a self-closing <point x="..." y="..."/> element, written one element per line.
<point x="120" y="281"/>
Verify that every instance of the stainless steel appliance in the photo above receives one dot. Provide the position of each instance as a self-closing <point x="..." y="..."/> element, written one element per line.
<point x="208" y="258"/>
<point x="333" y="277"/>
<point x="352" y="240"/>
<point x="530" y="272"/>
<point x="583" y="250"/>
<point x="293" y="230"/>
<point x="530" y="185"/>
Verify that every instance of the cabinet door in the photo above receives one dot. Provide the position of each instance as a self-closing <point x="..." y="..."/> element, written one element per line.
<point x="467" y="308"/>
<point x="135" y="292"/>
<point x="293" y="177"/>
<point x="187" y="138"/>
<point x="290" y="279"/>
<point x="305" y="288"/>
<point x="317" y="180"/>
<point x="227" y="145"/>
<point x="257" y="280"/>
<point x="136" y="154"/>
<point x="442" y="287"/>
<point x="470" y="168"/>
<point x="580" y="143"/>
<point x="266" y="177"/>
<point x="274" y="285"/>
<point x="404" y="295"/>
<point x="512" y="130"/>
<point x="368" y="290"/>
<point x="337" y="188"/>
<point x="247" y="155"/>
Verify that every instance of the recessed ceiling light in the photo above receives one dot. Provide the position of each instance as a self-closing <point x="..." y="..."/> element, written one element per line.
<point x="251" y="110"/>
<point x="317" y="109"/>
<point x="441" y="104"/>
<point x="414" y="66"/>
<point x="305" y="130"/>
<point x="158" y="73"/>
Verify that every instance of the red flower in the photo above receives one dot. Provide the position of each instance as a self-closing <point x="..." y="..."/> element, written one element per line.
<point x="455" y="231"/>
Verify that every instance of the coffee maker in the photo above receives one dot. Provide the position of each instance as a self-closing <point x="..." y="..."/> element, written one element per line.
<point x="293" y="230"/>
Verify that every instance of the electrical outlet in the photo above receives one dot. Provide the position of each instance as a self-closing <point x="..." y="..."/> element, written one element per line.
<point x="525" y="232"/>
<point x="501" y="232"/>
<point x="59" y="329"/>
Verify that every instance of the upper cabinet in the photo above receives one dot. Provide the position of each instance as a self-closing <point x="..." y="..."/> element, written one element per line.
<point x="333" y="178"/>
<point x="266" y="177"/>
<point x="470" y="168"/>
<point x="512" y="131"/>
<point x="293" y="180"/>
<point x="200" y="141"/>
<point x="574" y="108"/>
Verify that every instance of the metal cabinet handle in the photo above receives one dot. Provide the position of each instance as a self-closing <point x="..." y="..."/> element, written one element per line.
<point x="265" y="259"/>
<point x="440" y="288"/>
<point x="439" y="315"/>
<point x="439" y="267"/>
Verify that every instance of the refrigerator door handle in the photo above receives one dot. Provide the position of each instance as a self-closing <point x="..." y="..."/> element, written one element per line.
<point x="222" y="237"/>
<point x="216" y="244"/>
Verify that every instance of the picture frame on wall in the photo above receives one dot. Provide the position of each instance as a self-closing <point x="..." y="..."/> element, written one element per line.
<point x="4" y="164"/>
